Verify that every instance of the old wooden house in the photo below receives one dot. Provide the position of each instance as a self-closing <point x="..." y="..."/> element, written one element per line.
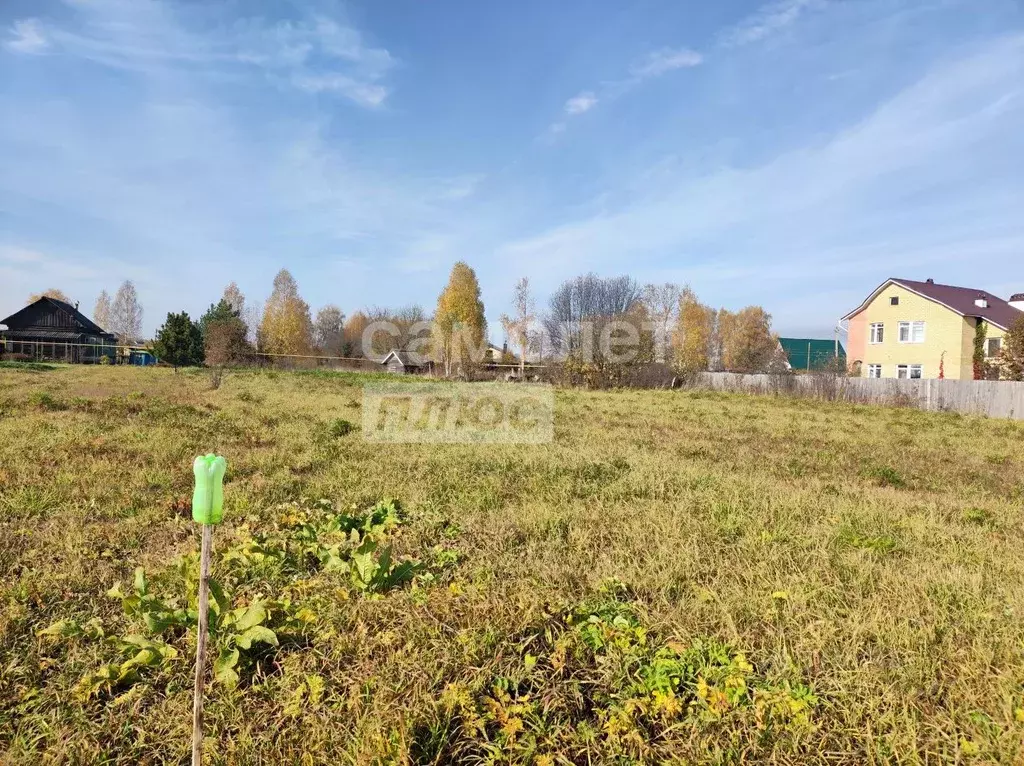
<point x="49" y="329"/>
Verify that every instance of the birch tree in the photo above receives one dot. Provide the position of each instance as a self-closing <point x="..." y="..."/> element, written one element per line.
<point x="662" y="305"/>
<point x="286" y="328"/>
<point x="519" y="327"/>
<point x="101" y="314"/>
<point x="234" y="298"/>
<point x="459" y="324"/>
<point x="694" y="334"/>
<point x="126" y="314"/>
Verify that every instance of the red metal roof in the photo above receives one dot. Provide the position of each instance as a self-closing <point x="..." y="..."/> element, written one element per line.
<point x="959" y="299"/>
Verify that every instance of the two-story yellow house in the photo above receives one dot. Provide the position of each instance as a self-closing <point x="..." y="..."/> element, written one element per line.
<point x="909" y="329"/>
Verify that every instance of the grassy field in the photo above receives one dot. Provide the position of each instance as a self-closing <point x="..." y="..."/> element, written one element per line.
<point x="680" y="577"/>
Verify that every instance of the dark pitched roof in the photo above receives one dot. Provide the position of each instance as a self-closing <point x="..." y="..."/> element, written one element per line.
<point x="87" y="325"/>
<point x="959" y="299"/>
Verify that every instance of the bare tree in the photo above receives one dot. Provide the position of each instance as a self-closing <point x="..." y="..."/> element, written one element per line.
<point x="329" y="331"/>
<point x="252" y="315"/>
<point x="235" y="299"/>
<point x="518" y="328"/>
<point x="399" y="328"/>
<point x="579" y="304"/>
<point x="126" y="314"/>
<point x="226" y="343"/>
<point x="101" y="314"/>
<point x="662" y="304"/>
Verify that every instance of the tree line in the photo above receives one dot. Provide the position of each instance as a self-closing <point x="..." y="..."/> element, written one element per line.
<point x="592" y="324"/>
<point x="596" y="329"/>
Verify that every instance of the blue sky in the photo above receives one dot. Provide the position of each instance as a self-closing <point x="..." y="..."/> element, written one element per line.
<point x="791" y="154"/>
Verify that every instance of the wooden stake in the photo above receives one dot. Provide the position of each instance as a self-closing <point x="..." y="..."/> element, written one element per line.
<point x="204" y="618"/>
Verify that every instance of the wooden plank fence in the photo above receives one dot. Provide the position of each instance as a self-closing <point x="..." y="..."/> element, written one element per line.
<point x="998" y="399"/>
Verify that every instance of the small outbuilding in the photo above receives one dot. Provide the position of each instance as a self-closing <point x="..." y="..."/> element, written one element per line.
<point x="52" y="330"/>
<point x="403" y="362"/>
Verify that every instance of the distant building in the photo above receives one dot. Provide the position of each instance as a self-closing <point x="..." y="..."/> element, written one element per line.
<point x="910" y="329"/>
<point x="404" y="362"/>
<point x="812" y="354"/>
<point x="53" y="330"/>
<point x="494" y="355"/>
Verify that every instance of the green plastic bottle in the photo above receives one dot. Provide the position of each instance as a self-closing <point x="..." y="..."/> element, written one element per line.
<point x="208" y="498"/>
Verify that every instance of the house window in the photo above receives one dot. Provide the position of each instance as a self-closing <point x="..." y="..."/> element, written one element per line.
<point x="993" y="346"/>
<point x="874" y="370"/>
<point x="894" y="301"/>
<point x="877" y="332"/>
<point x="908" y="371"/>
<point x="911" y="332"/>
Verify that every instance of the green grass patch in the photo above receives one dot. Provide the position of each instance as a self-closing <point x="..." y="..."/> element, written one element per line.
<point x="681" y="577"/>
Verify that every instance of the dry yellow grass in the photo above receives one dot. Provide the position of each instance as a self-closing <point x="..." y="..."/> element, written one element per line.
<point x="866" y="562"/>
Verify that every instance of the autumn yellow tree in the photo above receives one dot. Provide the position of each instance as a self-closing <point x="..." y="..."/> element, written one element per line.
<point x="722" y="340"/>
<point x="695" y="331"/>
<point x="459" y="324"/>
<point x="353" y="335"/>
<point x="286" y="327"/>
<point x="53" y="292"/>
<point x="748" y="344"/>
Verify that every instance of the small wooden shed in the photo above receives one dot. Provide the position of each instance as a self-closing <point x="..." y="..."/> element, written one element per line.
<point x="403" y="362"/>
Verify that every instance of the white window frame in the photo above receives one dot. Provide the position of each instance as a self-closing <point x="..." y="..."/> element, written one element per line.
<point x="874" y="368"/>
<point x="912" y="329"/>
<point x="988" y="345"/>
<point x="906" y="371"/>
<point x="880" y="327"/>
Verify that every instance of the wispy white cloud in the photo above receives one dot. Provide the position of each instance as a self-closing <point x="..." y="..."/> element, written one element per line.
<point x="363" y="93"/>
<point x="317" y="54"/>
<point x="766" y="21"/>
<point x="665" y="60"/>
<point x="26" y="36"/>
<point x="202" y="187"/>
<point x="26" y="270"/>
<point x="16" y="254"/>
<point x="654" y="64"/>
<point x="920" y="181"/>
<point x="581" y="103"/>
